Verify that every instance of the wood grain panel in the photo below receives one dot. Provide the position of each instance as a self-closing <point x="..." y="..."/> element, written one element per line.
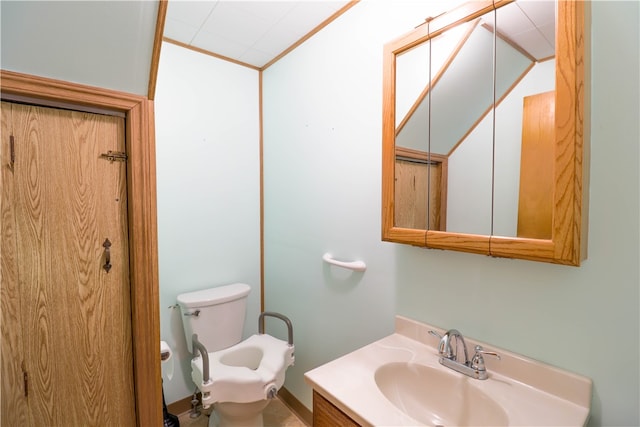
<point x="143" y="251"/>
<point x="142" y="220"/>
<point x="569" y="132"/>
<point x="78" y="351"/>
<point x="473" y="243"/>
<point x="38" y="323"/>
<point x="535" y="200"/>
<point x="157" y="47"/>
<point x="411" y="194"/>
<point x="327" y="415"/>
<point x="13" y="410"/>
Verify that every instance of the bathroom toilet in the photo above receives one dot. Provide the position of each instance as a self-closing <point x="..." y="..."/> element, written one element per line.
<point x="239" y="378"/>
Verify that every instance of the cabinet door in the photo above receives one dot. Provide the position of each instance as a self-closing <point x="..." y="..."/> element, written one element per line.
<point x="327" y="415"/>
<point x="66" y="345"/>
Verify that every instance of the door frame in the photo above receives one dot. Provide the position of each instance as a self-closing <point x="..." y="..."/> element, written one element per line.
<point x="142" y="217"/>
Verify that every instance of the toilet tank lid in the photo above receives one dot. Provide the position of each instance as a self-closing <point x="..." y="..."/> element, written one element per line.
<point x="213" y="296"/>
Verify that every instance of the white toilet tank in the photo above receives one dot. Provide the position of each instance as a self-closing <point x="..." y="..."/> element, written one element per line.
<point x="215" y="314"/>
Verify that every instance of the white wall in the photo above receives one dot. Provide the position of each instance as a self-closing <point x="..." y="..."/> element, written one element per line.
<point x="208" y="171"/>
<point x="98" y="43"/>
<point x="322" y="161"/>
<point x="322" y="156"/>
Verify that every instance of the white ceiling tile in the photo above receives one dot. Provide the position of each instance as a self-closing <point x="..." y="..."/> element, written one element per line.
<point x="531" y="25"/>
<point x="190" y="12"/>
<point x="233" y="23"/>
<point x="256" y="57"/>
<point x="541" y="12"/>
<point x="269" y="11"/>
<point x="178" y="30"/>
<point x="250" y="31"/>
<point x="276" y="40"/>
<point x="309" y="14"/>
<point x="220" y="45"/>
<point x="535" y="44"/>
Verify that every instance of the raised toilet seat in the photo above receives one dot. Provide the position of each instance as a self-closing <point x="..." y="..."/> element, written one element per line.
<point x="251" y="370"/>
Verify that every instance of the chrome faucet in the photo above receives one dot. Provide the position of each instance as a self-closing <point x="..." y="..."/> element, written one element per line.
<point x="447" y="351"/>
<point x="474" y="368"/>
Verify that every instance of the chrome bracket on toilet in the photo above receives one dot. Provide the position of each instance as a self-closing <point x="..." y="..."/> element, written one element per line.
<point x="272" y="391"/>
<point x="192" y="313"/>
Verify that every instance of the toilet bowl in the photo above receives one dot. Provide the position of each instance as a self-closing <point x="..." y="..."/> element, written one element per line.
<point x="238" y="378"/>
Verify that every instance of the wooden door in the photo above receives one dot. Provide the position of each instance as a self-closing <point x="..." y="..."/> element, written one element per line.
<point x="66" y="322"/>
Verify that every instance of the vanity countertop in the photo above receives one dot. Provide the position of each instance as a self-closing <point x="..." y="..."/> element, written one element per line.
<point x="529" y="392"/>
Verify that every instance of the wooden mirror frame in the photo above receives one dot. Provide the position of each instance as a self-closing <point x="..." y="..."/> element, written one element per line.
<point x="569" y="225"/>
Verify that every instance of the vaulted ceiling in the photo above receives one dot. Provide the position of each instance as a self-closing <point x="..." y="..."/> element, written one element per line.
<point x="253" y="32"/>
<point x="110" y="44"/>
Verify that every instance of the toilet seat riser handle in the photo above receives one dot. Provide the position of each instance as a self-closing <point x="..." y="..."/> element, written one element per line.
<point x="282" y="317"/>
<point x="198" y="347"/>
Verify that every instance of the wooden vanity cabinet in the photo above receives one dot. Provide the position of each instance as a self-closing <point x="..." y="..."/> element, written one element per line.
<point x="325" y="414"/>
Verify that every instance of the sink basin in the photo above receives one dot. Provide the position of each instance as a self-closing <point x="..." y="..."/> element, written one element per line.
<point x="397" y="381"/>
<point x="435" y="397"/>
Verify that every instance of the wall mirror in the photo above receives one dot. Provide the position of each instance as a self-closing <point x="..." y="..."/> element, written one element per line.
<point x="483" y="131"/>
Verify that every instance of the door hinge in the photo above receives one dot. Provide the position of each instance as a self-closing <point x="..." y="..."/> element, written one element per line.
<point x="114" y="156"/>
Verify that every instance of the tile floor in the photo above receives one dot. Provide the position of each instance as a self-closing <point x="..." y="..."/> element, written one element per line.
<point x="277" y="414"/>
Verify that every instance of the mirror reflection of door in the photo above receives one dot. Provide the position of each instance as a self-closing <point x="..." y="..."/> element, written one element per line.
<point x="420" y="190"/>
<point x="535" y="202"/>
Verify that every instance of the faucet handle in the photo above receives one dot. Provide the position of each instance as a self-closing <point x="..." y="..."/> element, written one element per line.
<point x="477" y="362"/>
<point x="435" y="334"/>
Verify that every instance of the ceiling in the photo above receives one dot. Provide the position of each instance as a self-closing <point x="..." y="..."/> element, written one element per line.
<point x="253" y="32"/>
<point x="531" y="25"/>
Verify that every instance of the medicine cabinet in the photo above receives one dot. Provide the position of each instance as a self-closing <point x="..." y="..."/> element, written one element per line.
<point x="483" y="132"/>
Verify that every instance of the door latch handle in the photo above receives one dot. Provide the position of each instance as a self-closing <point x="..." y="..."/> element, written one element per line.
<point x="12" y="153"/>
<point x="107" y="255"/>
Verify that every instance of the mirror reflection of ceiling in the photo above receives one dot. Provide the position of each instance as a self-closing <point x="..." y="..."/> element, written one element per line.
<point x="460" y="98"/>
<point x="531" y="24"/>
<point x="250" y="32"/>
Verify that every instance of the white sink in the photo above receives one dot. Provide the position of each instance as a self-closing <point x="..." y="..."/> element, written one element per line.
<point x="435" y="397"/>
<point x="398" y="381"/>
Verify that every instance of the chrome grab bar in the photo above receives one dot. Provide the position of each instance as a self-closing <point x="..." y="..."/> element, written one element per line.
<point x="198" y="347"/>
<point x="282" y="317"/>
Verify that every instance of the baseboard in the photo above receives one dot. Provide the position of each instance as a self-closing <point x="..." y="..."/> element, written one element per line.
<point x="181" y="406"/>
<point x="296" y="406"/>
